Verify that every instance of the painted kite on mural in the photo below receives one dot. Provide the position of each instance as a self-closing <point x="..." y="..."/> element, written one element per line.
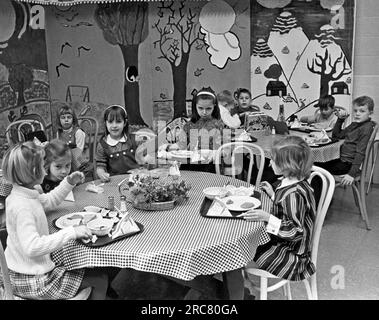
<point x="306" y="57"/>
<point x="222" y="44"/>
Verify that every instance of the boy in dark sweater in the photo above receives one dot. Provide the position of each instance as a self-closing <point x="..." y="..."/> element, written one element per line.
<point x="356" y="135"/>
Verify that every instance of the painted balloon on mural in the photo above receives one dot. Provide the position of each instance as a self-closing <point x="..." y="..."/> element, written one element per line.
<point x="7" y="22"/>
<point x="216" y="19"/>
<point x="274" y="3"/>
<point x="331" y="4"/>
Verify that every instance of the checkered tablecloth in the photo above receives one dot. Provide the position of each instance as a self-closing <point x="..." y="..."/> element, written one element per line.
<point x="179" y="243"/>
<point x="5" y="187"/>
<point x="319" y="154"/>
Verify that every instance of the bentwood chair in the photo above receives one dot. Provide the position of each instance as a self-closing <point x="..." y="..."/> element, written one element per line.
<point x="328" y="185"/>
<point x="374" y="157"/>
<point x="173" y="128"/>
<point x="232" y="153"/>
<point x="359" y="183"/>
<point x="18" y="131"/>
<point x="6" y="291"/>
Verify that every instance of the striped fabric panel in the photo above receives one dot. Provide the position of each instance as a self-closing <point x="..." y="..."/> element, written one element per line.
<point x="178" y="243"/>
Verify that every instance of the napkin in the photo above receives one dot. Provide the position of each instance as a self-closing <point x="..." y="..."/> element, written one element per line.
<point x="125" y="226"/>
<point x="244" y="136"/>
<point x="70" y="197"/>
<point x="95" y="188"/>
<point x="240" y="191"/>
<point x="218" y="209"/>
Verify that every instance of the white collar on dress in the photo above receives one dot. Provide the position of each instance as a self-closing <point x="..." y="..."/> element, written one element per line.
<point x="112" y="142"/>
<point x="287" y="182"/>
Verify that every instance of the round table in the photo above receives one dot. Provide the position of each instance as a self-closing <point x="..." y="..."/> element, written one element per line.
<point x="179" y="243"/>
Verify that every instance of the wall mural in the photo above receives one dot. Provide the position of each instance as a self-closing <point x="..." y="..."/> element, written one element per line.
<point x="197" y="44"/>
<point x="24" y="84"/>
<point x="301" y="51"/>
<point x="153" y="56"/>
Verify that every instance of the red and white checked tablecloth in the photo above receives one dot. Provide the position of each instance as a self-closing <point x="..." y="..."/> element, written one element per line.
<point x="179" y="243"/>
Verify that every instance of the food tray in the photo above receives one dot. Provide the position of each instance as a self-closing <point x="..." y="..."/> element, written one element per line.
<point x="102" y="241"/>
<point x="206" y="204"/>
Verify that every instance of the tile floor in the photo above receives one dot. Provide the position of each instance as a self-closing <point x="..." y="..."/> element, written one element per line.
<point x="346" y="248"/>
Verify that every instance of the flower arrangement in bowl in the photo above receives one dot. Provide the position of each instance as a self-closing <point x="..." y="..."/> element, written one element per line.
<point x="152" y="194"/>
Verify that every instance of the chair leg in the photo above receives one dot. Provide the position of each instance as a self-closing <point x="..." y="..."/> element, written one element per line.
<point x="361" y="203"/>
<point x="356" y="199"/>
<point x="288" y="289"/>
<point x="374" y="157"/>
<point x="263" y="288"/>
<point x="364" y="207"/>
<point x="285" y="290"/>
<point x="308" y="288"/>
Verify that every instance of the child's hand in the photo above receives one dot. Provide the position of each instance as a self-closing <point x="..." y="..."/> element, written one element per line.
<point x="82" y="232"/>
<point x="267" y="188"/>
<point x="347" y="180"/>
<point x="341" y="114"/>
<point x="75" y="178"/>
<point x="104" y="176"/>
<point x="255" y="215"/>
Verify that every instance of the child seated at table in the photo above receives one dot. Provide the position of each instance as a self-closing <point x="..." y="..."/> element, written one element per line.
<point x="116" y="150"/>
<point x="226" y="104"/>
<point x="356" y="135"/>
<point x="290" y="222"/>
<point x="33" y="273"/>
<point x="204" y="130"/>
<point x="325" y="117"/>
<point x="57" y="164"/>
<point x="244" y="106"/>
<point x="70" y="132"/>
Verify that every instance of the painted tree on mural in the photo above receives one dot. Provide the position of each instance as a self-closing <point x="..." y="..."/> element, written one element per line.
<point x="179" y="31"/>
<point x="20" y="78"/>
<point x="126" y="25"/>
<point x="327" y="69"/>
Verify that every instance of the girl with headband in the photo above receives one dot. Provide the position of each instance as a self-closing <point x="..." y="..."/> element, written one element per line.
<point x="116" y="150"/>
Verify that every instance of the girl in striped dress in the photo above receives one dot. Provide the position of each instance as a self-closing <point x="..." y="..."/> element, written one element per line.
<point x="290" y="222"/>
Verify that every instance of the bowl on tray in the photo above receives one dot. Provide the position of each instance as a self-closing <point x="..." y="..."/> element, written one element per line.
<point x="100" y="227"/>
<point x="213" y="192"/>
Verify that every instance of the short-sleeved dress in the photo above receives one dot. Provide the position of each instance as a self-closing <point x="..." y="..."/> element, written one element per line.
<point x="287" y="255"/>
<point x="118" y="158"/>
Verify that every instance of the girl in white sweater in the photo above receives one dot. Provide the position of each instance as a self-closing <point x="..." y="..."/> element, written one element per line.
<point x="33" y="273"/>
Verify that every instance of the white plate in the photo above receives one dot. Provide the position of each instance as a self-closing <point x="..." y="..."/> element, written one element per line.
<point x="238" y="201"/>
<point x="71" y="220"/>
<point x="182" y="153"/>
<point x="92" y="209"/>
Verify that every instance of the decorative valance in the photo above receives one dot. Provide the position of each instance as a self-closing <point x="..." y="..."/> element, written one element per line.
<point x="75" y="2"/>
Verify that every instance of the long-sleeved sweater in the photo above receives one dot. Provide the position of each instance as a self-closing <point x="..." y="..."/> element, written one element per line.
<point x="356" y="136"/>
<point x="29" y="243"/>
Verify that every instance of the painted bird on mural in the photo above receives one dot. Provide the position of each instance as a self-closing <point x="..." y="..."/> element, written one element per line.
<point x="66" y="44"/>
<point x="197" y="72"/>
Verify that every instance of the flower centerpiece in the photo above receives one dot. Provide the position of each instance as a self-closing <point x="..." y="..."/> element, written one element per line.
<point x="151" y="194"/>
